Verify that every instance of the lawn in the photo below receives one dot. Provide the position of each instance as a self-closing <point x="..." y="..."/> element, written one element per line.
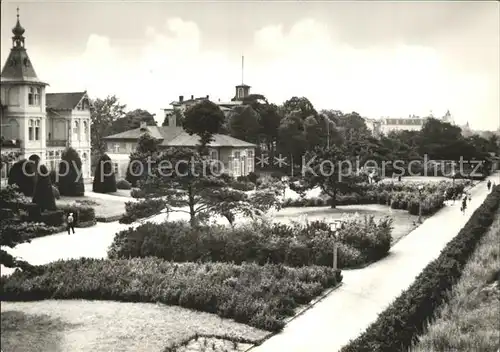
<point x="469" y="319"/>
<point x="106" y="207"/>
<point x="403" y="224"/>
<point x="104" y="326"/>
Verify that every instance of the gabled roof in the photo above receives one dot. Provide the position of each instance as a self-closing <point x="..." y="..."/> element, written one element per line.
<point x="220" y="140"/>
<point x="177" y="137"/>
<point x="64" y="101"/>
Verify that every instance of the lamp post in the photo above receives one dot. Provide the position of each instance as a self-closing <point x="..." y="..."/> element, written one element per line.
<point x="420" y="188"/>
<point x="335" y="227"/>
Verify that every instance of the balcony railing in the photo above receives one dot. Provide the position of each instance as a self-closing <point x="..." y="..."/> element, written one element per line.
<point x="11" y="143"/>
<point x="56" y="143"/>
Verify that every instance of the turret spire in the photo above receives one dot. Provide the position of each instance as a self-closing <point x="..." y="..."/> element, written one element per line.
<point x="18" y="31"/>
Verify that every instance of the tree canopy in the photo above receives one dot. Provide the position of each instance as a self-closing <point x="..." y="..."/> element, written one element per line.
<point x="203" y="119"/>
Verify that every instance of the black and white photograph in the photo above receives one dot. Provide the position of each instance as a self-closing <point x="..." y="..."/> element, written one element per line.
<point x="250" y="176"/>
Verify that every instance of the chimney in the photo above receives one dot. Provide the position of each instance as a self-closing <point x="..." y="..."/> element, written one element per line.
<point x="181" y="98"/>
<point x="192" y="97"/>
<point x="144" y="126"/>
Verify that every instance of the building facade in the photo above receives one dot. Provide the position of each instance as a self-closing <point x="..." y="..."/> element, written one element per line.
<point x="34" y="122"/>
<point x="237" y="157"/>
<point x="181" y="105"/>
<point x="411" y="123"/>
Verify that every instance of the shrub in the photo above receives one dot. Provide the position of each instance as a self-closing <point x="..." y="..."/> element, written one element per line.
<point x="22" y="174"/>
<point x="260" y="296"/>
<point x="70" y="174"/>
<point x="44" y="195"/>
<point x="53" y="177"/>
<point x="123" y="184"/>
<point x="260" y="243"/>
<point x="52" y="218"/>
<point x="142" y="209"/>
<point x="243" y="186"/>
<point x="253" y="177"/>
<point x="104" y="176"/>
<point x="398" y="326"/>
<point x="27" y="230"/>
<point x="82" y="213"/>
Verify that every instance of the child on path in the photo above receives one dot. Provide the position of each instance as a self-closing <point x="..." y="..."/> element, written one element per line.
<point x="70" y="223"/>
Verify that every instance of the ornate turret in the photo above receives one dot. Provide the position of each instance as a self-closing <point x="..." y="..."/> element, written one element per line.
<point x="18" y="67"/>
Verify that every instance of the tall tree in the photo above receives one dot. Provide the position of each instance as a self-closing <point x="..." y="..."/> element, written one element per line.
<point x="292" y="139"/>
<point x="203" y="119"/>
<point x="244" y="123"/>
<point x="102" y="113"/>
<point x="184" y="179"/>
<point x="300" y="105"/>
<point x="436" y="137"/>
<point x="332" y="169"/>
<point x="131" y="120"/>
<point x="138" y="167"/>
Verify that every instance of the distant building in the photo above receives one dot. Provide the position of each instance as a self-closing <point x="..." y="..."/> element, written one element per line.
<point x="34" y="122"/>
<point x="236" y="155"/>
<point x="411" y="123"/>
<point x="242" y="91"/>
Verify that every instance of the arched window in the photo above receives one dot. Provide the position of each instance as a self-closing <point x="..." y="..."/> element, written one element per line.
<point x="76" y="131"/>
<point x="31" y="129"/>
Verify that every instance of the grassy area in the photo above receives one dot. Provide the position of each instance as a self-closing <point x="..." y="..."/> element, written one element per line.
<point x="77" y="325"/>
<point x="108" y="207"/>
<point x="403" y="223"/>
<point x="469" y="320"/>
<point x="26" y="332"/>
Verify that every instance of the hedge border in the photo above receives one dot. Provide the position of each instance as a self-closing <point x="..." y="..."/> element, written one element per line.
<point x="406" y="318"/>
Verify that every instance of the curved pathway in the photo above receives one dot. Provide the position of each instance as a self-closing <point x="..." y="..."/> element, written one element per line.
<point x="348" y="311"/>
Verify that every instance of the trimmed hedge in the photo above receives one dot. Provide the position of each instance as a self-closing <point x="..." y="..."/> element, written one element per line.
<point x="104" y="176"/>
<point x="142" y="209"/>
<point x="361" y="241"/>
<point x="123" y="184"/>
<point x="260" y="296"/>
<point x="70" y="182"/>
<point x="83" y="214"/>
<point x="406" y="318"/>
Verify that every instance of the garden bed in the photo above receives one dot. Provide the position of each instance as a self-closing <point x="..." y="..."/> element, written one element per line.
<point x="362" y="240"/>
<point x="398" y="326"/>
<point x="59" y="325"/>
<point x="469" y="319"/>
<point x="260" y="296"/>
<point x="105" y="209"/>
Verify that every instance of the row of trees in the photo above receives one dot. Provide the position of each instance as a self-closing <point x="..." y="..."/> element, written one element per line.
<point x="296" y="127"/>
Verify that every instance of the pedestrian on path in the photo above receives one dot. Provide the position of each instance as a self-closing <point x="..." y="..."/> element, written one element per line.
<point x="464" y="204"/>
<point x="489" y="184"/>
<point x="70" y="223"/>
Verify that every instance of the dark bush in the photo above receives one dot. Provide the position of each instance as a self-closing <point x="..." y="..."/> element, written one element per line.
<point x="70" y="174"/>
<point x="104" y="176"/>
<point x="27" y="230"/>
<point x="141" y="209"/>
<point x="44" y="195"/>
<point x="296" y="245"/>
<point x="253" y="177"/>
<point x="81" y="213"/>
<point x="242" y="186"/>
<point x="53" y="218"/>
<point x="405" y="319"/>
<point x="53" y="177"/>
<point x="123" y="184"/>
<point x="22" y="174"/>
<point x="260" y="296"/>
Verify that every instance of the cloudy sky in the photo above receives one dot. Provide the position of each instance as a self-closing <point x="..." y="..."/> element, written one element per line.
<point x="378" y="59"/>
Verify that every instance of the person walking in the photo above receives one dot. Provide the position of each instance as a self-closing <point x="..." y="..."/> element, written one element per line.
<point x="70" y="223"/>
<point x="488" y="184"/>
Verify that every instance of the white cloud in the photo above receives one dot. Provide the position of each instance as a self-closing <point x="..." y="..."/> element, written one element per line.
<point x="304" y="61"/>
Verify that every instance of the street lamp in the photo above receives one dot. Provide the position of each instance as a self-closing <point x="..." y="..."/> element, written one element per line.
<point x="335" y="227"/>
<point x="420" y="188"/>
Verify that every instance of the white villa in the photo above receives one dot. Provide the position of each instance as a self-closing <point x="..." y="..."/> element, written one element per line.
<point x="34" y="122"/>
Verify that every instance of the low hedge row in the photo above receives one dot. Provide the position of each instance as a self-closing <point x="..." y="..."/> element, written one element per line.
<point x="260" y="296"/>
<point x="142" y="209"/>
<point x="405" y="319"/>
<point x="361" y="241"/>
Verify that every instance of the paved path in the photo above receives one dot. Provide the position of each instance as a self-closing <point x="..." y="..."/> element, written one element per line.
<point x="365" y="293"/>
